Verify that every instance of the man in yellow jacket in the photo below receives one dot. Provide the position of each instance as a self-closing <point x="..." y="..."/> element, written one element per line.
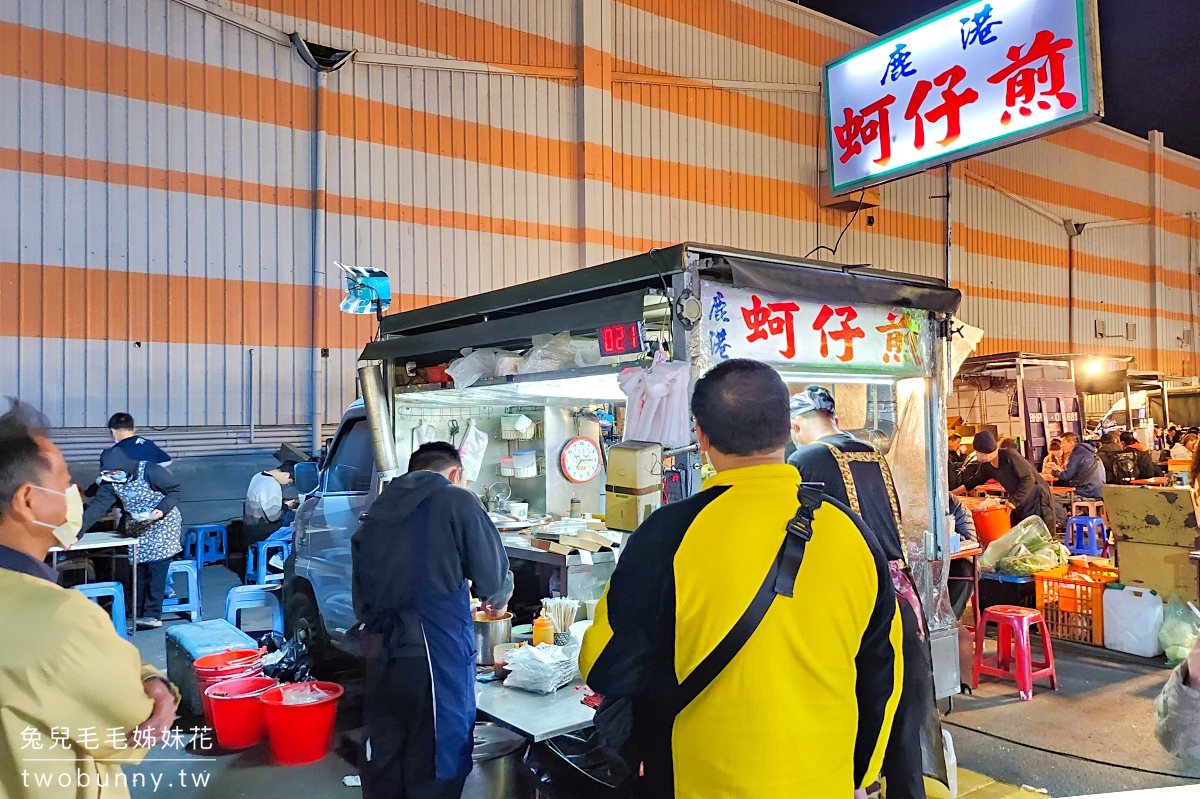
<point x="805" y="706"/>
<point x="75" y="700"/>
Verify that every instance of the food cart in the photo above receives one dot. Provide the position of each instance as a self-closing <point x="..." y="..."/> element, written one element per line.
<point x="877" y="339"/>
<point x="1030" y="398"/>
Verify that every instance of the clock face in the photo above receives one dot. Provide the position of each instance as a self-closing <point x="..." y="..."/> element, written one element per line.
<point x="580" y="460"/>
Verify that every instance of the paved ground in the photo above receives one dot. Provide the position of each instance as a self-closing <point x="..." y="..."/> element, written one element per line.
<point x="1103" y="711"/>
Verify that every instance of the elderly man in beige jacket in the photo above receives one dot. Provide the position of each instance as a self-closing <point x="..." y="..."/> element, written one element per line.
<point x="75" y="700"/>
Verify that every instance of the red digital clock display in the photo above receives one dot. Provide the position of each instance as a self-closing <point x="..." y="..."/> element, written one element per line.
<point x="623" y="339"/>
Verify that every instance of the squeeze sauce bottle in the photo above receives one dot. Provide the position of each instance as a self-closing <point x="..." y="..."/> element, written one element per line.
<point x="543" y="630"/>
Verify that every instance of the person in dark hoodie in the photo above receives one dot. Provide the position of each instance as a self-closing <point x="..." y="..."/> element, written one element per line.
<point x="1084" y="470"/>
<point x="424" y="543"/>
<point x="1146" y="467"/>
<point x="1028" y="493"/>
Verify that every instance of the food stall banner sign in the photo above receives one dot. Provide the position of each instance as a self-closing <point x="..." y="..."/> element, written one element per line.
<point x="825" y="337"/>
<point x="965" y="80"/>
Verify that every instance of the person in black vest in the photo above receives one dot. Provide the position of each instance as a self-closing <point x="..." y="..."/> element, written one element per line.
<point x="855" y="474"/>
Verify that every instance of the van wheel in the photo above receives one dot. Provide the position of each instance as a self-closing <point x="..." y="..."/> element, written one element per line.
<point x="301" y="616"/>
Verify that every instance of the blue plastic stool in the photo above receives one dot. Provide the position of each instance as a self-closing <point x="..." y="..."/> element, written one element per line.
<point x="1086" y="535"/>
<point x="114" y="591"/>
<point x="191" y="605"/>
<point x="258" y="559"/>
<point x="243" y="597"/>
<point x="206" y="543"/>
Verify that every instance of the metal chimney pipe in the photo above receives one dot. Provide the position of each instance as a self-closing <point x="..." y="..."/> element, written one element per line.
<point x="383" y="440"/>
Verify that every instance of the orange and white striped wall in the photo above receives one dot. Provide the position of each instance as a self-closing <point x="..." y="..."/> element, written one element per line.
<point x="159" y="201"/>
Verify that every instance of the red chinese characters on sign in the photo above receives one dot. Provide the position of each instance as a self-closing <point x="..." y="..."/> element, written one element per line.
<point x="772" y="319"/>
<point x="950" y="108"/>
<point x="846" y="334"/>
<point x="1040" y="65"/>
<point x="868" y="125"/>
<point x="900" y="340"/>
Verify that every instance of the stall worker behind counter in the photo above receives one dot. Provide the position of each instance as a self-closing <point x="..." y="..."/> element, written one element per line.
<point x="804" y="707"/>
<point x="855" y="474"/>
<point x="1028" y="493"/>
<point x="423" y="539"/>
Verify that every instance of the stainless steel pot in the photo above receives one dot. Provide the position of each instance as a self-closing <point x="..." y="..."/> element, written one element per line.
<point x="488" y="634"/>
<point x="497" y="764"/>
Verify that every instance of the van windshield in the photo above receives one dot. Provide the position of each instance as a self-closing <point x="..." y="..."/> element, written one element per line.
<point x="352" y="461"/>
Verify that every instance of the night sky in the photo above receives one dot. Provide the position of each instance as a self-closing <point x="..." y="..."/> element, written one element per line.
<point x="1150" y="58"/>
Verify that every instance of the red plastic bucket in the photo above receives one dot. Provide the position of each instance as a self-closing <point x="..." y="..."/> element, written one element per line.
<point x="221" y="666"/>
<point x="238" y="717"/>
<point x="300" y="733"/>
<point x="990" y="524"/>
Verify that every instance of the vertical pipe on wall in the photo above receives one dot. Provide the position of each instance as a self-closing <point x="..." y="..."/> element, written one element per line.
<point x="250" y="413"/>
<point x="949" y="223"/>
<point x="1070" y="293"/>
<point x="318" y="251"/>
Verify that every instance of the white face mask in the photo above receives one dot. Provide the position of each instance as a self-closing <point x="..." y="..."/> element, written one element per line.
<point x="67" y="533"/>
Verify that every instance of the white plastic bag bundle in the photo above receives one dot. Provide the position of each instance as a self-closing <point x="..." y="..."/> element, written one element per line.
<point x="542" y="669"/>
<point x="472" y="449"/>
<point x="472" y="367"/>
<point x="1026" y="549"/>
<point x="549" y="354"/>
<point x="657" y="409"/>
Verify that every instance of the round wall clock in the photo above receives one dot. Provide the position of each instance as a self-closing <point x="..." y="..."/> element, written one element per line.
<point x="580" y="461"/>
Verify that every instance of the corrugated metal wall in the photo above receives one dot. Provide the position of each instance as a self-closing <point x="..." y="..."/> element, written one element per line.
<point x="157" y="193"/>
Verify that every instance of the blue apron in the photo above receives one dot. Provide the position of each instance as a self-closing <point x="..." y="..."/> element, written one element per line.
<point x="446" y="638"/>
<point x="450" y="644"/>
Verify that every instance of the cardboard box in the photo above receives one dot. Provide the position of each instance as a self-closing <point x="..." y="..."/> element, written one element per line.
<point x="1167" y="570"/>
<point x="603" y="538"/>
<point x="634" y="465"/>
<point x="1151" y="515"/>
<point x="627" y="511"/>
<point x="550" y="546"/>
<point x="582" y="543"/>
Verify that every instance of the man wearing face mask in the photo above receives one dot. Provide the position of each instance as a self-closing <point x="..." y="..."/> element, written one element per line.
<point x="423" y="542"/>
<point x="65" y="666"/>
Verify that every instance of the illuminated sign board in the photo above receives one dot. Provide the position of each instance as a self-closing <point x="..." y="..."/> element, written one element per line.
<point x="811" y="336"/>
<point x="973" y="78"/>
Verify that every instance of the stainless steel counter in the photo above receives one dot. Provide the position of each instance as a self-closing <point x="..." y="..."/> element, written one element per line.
<point x="533" y="715"/>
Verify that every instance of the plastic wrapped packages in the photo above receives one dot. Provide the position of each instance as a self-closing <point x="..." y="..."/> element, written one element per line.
<point x="1026" y="549"/>
<point x="472" y="367"/>
<point x="506" y="363"/>
<point x="1178" y="632"/>
<point x="542" y="669"/>
<point x="548" y="354"/>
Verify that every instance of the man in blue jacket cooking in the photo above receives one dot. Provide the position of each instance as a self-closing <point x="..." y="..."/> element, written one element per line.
<point x="424" y="543"/>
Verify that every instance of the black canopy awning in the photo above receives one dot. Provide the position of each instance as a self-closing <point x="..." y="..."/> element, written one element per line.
<point x="589" y="298"/>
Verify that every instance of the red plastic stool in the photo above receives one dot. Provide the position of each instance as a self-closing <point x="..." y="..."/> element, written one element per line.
<point x="1013" y="622"/>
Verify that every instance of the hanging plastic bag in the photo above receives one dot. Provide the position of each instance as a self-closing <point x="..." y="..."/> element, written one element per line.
<point x="549" y="354"/>
<point x="1178" y="632"/>
<point x="472" y="450"/>
<point x="423" y="434"/>
<point x="472" y="367"/>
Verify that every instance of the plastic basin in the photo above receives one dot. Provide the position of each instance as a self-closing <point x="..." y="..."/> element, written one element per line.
<point x="221" y="666"/>
<point x="238" y="717"/>
<point x="300" y="733"/>
<point x="990" y="524"/>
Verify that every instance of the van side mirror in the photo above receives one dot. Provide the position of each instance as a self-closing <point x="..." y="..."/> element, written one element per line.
<point x="306" y="477"/>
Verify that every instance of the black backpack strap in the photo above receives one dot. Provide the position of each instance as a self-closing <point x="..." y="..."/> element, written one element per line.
<point x="780" y="580"/>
